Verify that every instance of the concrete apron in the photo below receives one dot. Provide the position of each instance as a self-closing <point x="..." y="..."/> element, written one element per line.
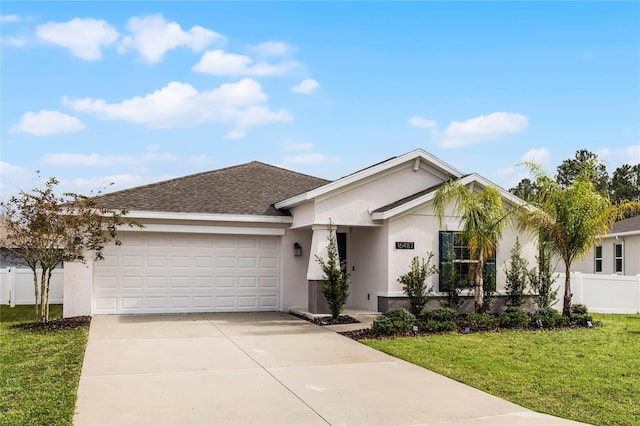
<point x="264" y="368"/>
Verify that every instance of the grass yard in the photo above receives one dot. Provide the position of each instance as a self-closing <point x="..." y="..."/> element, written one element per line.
<point x="40" y="370"/>
<point x="588" y="375"/>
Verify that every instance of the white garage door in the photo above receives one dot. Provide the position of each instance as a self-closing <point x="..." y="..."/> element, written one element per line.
<point x="168" y="273"/>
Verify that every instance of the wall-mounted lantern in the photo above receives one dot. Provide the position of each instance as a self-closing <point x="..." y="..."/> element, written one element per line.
<point x="297" y="249"/>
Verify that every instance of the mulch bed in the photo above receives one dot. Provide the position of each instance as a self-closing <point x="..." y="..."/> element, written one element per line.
<point x="365" y="333"/>
<point x="342" y="319"/>
<point x="58" y="324"/>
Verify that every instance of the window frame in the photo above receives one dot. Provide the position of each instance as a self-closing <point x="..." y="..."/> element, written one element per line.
<point x="452" y="236"/>
<point x="597" y="260"/>
<point x="617" y="258"/>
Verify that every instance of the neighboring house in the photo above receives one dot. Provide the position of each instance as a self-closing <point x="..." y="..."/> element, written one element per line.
<point x="245" y="238"/>
<point x="618" y="252"/>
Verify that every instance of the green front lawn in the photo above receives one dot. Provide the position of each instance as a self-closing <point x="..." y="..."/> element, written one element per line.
<point x="40" y="370"/>
<point x="588" y="375"/>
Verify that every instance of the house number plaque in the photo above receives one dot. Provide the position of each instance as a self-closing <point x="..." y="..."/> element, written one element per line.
<point x="404" y="245"/>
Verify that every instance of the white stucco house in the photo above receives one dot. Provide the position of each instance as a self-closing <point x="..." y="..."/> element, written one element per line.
<point x="617" y="253"/>
<point x="244" y="238"/>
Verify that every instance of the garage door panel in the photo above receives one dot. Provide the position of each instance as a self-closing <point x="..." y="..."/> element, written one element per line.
<point x="225" y="282"/>
<point x="268" y="302"/>
<point x="132" y="282"/>
<point x="227" y="262"/>
<point x="247" y="282"/>
<point x="163" y="273"/>
<point x="247" y="262"/>
<point x="132" y="304"/>
<point x="179" y="282"/>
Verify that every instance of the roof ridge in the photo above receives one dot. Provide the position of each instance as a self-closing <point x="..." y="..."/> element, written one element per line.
<point x="223" y="169"/>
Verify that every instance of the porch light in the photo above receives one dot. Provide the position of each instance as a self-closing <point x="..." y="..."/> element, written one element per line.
<point x="297" y="249"/>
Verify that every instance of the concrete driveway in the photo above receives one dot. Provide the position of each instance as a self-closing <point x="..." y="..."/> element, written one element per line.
<point x="264" y="368"/>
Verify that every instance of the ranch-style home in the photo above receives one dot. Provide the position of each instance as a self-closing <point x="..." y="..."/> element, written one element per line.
<point x="245" y="238"/>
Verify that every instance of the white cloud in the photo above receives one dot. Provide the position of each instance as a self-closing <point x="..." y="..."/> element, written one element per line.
<point x="235" y="134"/>
<point x="311" y="158"/>
<point x="92" y="160"/>
<point x="292" y="145"/>
<point x="217" y="62"/>
<point x="539" y="156"/>
<point x="7" y="169"/>
<point x="84" y="37"/>
<point x="422" y="122"/>
<point x="271" y="48"/>
<point x="198" y="160"/>
<point x="619" y="156"/>
<point x="483" y="128"/>
<point x="45" y="123"/>
<point x="306" y="86"/>
<point x="8" y="19"/>
<point x="104" y="183"/>
<point x="152" y="36"/>
<point x="13" y="41"/>
<point x="241" y="104"/>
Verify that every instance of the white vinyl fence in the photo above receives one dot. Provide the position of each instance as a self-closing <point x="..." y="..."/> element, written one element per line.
<point x="16" y="286"/>
<point x="613" y="294"/>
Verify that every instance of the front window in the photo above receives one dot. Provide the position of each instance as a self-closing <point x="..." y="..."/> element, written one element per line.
<point x="618" y="258"/>
<point x="456" y="263"/>
<point x="598" y="259"/>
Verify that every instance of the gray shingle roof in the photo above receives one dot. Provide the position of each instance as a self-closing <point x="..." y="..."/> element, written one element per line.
<point x="626" y="225"/>
<point x="246" y="189"/>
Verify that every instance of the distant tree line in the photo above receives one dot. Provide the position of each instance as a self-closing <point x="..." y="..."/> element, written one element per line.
<point x="623" y="185"/>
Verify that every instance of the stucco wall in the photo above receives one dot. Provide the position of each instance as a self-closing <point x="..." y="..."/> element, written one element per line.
<point x="304" y="214"/>
<point x="352" y="207"/>
<point x="78" y="288"/>
<point x="294" y="270"/>
<point x="422" y="227"/>
<point x="631" y="257"/>
<point x="368" y="266"/>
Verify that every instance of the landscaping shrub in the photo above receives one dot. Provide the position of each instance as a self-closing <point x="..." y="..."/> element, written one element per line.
<point x="480" y="322"/>
<point x="383" y="326"/>
<point x="394" y="322"/>
<point x="581" y="319"/>
<point x="432" y="326"/>
<point x="335" y="280"/>
<point x="414" y="283"/>
<point x="441" y="315"/>
<point x="516" y="276"/>
<point x="542" y="279"/>
<point x="513" y="318"/>
<point x="550" y="318"/>
<point x="579" y="309"/>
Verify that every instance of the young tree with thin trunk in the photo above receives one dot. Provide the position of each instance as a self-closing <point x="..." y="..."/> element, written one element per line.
<point x="42" y="230"/>
<point x="335" y="282"/>
<point x="483" y="216"/>
<point x="571" y="219"/>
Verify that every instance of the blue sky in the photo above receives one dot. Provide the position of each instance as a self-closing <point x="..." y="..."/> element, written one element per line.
<point x="136" y="92"/>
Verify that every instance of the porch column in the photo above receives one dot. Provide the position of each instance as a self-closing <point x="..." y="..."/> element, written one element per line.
<point x="319" y="243"/>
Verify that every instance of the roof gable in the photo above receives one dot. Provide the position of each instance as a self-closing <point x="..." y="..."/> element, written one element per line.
<point x="417" y="156"/>
<point x="418" y="199"/>
<point x="246" y="189"/>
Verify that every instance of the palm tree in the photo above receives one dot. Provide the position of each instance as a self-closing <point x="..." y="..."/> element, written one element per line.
<point x="570" y="220"/>
<point x="483" y="216"/>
